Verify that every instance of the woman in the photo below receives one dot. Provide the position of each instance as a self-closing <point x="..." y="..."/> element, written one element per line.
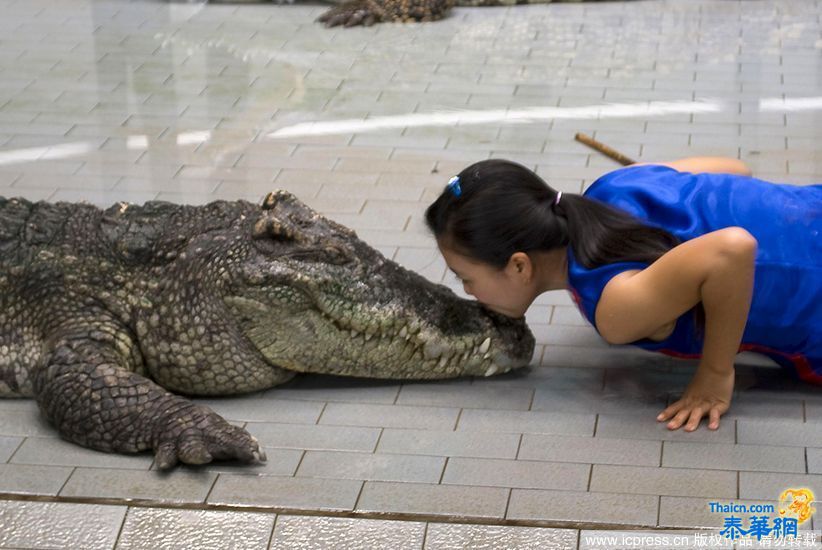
<point x="693" y="258"/>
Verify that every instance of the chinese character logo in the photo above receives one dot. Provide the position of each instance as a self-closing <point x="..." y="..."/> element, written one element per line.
<point x="796" y="503"/>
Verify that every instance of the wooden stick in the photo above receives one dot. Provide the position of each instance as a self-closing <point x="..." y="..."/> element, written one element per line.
<point x="604" y="149"/>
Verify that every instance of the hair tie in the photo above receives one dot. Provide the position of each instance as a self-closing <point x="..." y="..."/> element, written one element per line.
<point x="557" y="198"/>
<point x="454" y="186"/>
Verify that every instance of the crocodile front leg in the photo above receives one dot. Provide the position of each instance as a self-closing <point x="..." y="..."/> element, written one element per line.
<point x="86" y="387"/>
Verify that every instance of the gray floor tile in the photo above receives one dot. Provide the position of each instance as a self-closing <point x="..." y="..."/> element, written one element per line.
<point x="318" y="179"/>
<point x="568" y="316"/>
<point x="551" y="377"/>
<point x="814" y="456"/>
<point x="28" y="479"/>
<point x="59" y="525"/>
<point x="319" y="533"/>
<point x="161" y="529"/>
<point x="598" y="358"/>
<point x="609" y="508"/>
<point x="449" y="443"/>
<point x="84" y="182"/>
<point x="457" y="395"/>
<point x="303" y="436"/>
<point x="769" y="486"/>
<point x="24" y="422"/>
<point x="362" y="152"/>
<point x="444" y="536"/>
<point x="596" y="450"/>
<point x="7" y="446"/>
<point x="389" y="416"/>
<point x="649" y="385"/>
<point x="265" y="408"/>
<point x="553" y="423"/>
<point x="286" y="492"/>
<point x="338" y="389"/>
<point x="103" y="169"/>
<point x="721" y="456"/>
<point x="560" y="335"/>
<point x="334" y="190"/>
<point x="597" y="401"/>
<point x="522" y="474"/>
<point x="766" y="432"/>
<point x="177" y="486"/>
<point x="374" y="467"/>
<point x="58" y="452"/>
<point x="328" y="206"/>
<point x="264" y="176"/>
<point x="263" y="160"/>
<point x="168" y="186"/>
<point x="663" y="481"/>
<point x="448" y="500"/>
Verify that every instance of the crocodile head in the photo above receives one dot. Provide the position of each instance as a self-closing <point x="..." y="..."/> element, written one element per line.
<point x="312" y="297"/>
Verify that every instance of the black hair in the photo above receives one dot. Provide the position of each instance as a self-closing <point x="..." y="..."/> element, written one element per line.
<point x="503" y="208"/>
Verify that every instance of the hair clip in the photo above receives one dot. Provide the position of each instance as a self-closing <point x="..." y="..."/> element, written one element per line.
<point x="454" y="186"/>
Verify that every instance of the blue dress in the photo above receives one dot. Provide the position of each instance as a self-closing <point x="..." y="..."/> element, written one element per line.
<point x="785" y="319"/>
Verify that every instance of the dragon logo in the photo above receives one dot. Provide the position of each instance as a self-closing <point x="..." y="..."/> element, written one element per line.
<point x="797" y="503"/>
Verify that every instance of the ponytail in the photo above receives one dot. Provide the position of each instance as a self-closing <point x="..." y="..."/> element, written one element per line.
<point x="600" y="234"/>
<point x="502" y="208"/>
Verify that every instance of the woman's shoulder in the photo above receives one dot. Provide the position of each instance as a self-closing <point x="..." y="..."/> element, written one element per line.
<point x="635" y="175"/>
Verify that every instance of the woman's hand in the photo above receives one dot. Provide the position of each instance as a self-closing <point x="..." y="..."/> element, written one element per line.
<point x="709" y="393"/>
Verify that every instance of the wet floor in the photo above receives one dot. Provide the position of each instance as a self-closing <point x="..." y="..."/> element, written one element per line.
<point x="108" y="101"/>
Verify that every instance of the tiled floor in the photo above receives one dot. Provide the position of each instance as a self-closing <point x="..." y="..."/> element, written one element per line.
<point x="114" y="100"/>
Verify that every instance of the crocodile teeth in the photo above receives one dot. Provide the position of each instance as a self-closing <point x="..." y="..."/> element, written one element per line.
<point x="485" y="345"/>
<point x="443" y="362"/>
<point x="491" y="370"/>
<point x="404" y="332"/>
<point x="369" y="337"/>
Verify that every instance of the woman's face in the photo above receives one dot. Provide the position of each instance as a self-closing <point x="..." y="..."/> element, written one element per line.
<point x="504" y="291"/>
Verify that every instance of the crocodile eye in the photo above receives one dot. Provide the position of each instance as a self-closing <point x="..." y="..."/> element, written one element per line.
<point x="337" y="255"/>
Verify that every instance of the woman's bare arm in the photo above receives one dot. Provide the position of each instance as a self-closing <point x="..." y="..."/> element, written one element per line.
<point x="714" y="165"/>
<point x="716" y="269"/>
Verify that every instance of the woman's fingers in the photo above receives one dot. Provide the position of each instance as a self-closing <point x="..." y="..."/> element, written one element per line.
<point x="690" y="414"/>
<point x="680" y="418"/>
<point x="696" y="415"/>
<point x="669" y="411"/>
<point x="715" y="413"/>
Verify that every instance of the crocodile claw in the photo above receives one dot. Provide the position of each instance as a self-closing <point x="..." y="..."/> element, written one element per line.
<point x="198" y="435"/>
<point x="259" y="453"/>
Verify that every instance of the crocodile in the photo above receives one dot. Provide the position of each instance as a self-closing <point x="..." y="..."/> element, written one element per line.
<point x="112" y="319"/>
<point x="351" y="13"/>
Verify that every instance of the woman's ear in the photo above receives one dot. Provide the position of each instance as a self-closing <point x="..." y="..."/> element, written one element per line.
<point x="520" y="266"/>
